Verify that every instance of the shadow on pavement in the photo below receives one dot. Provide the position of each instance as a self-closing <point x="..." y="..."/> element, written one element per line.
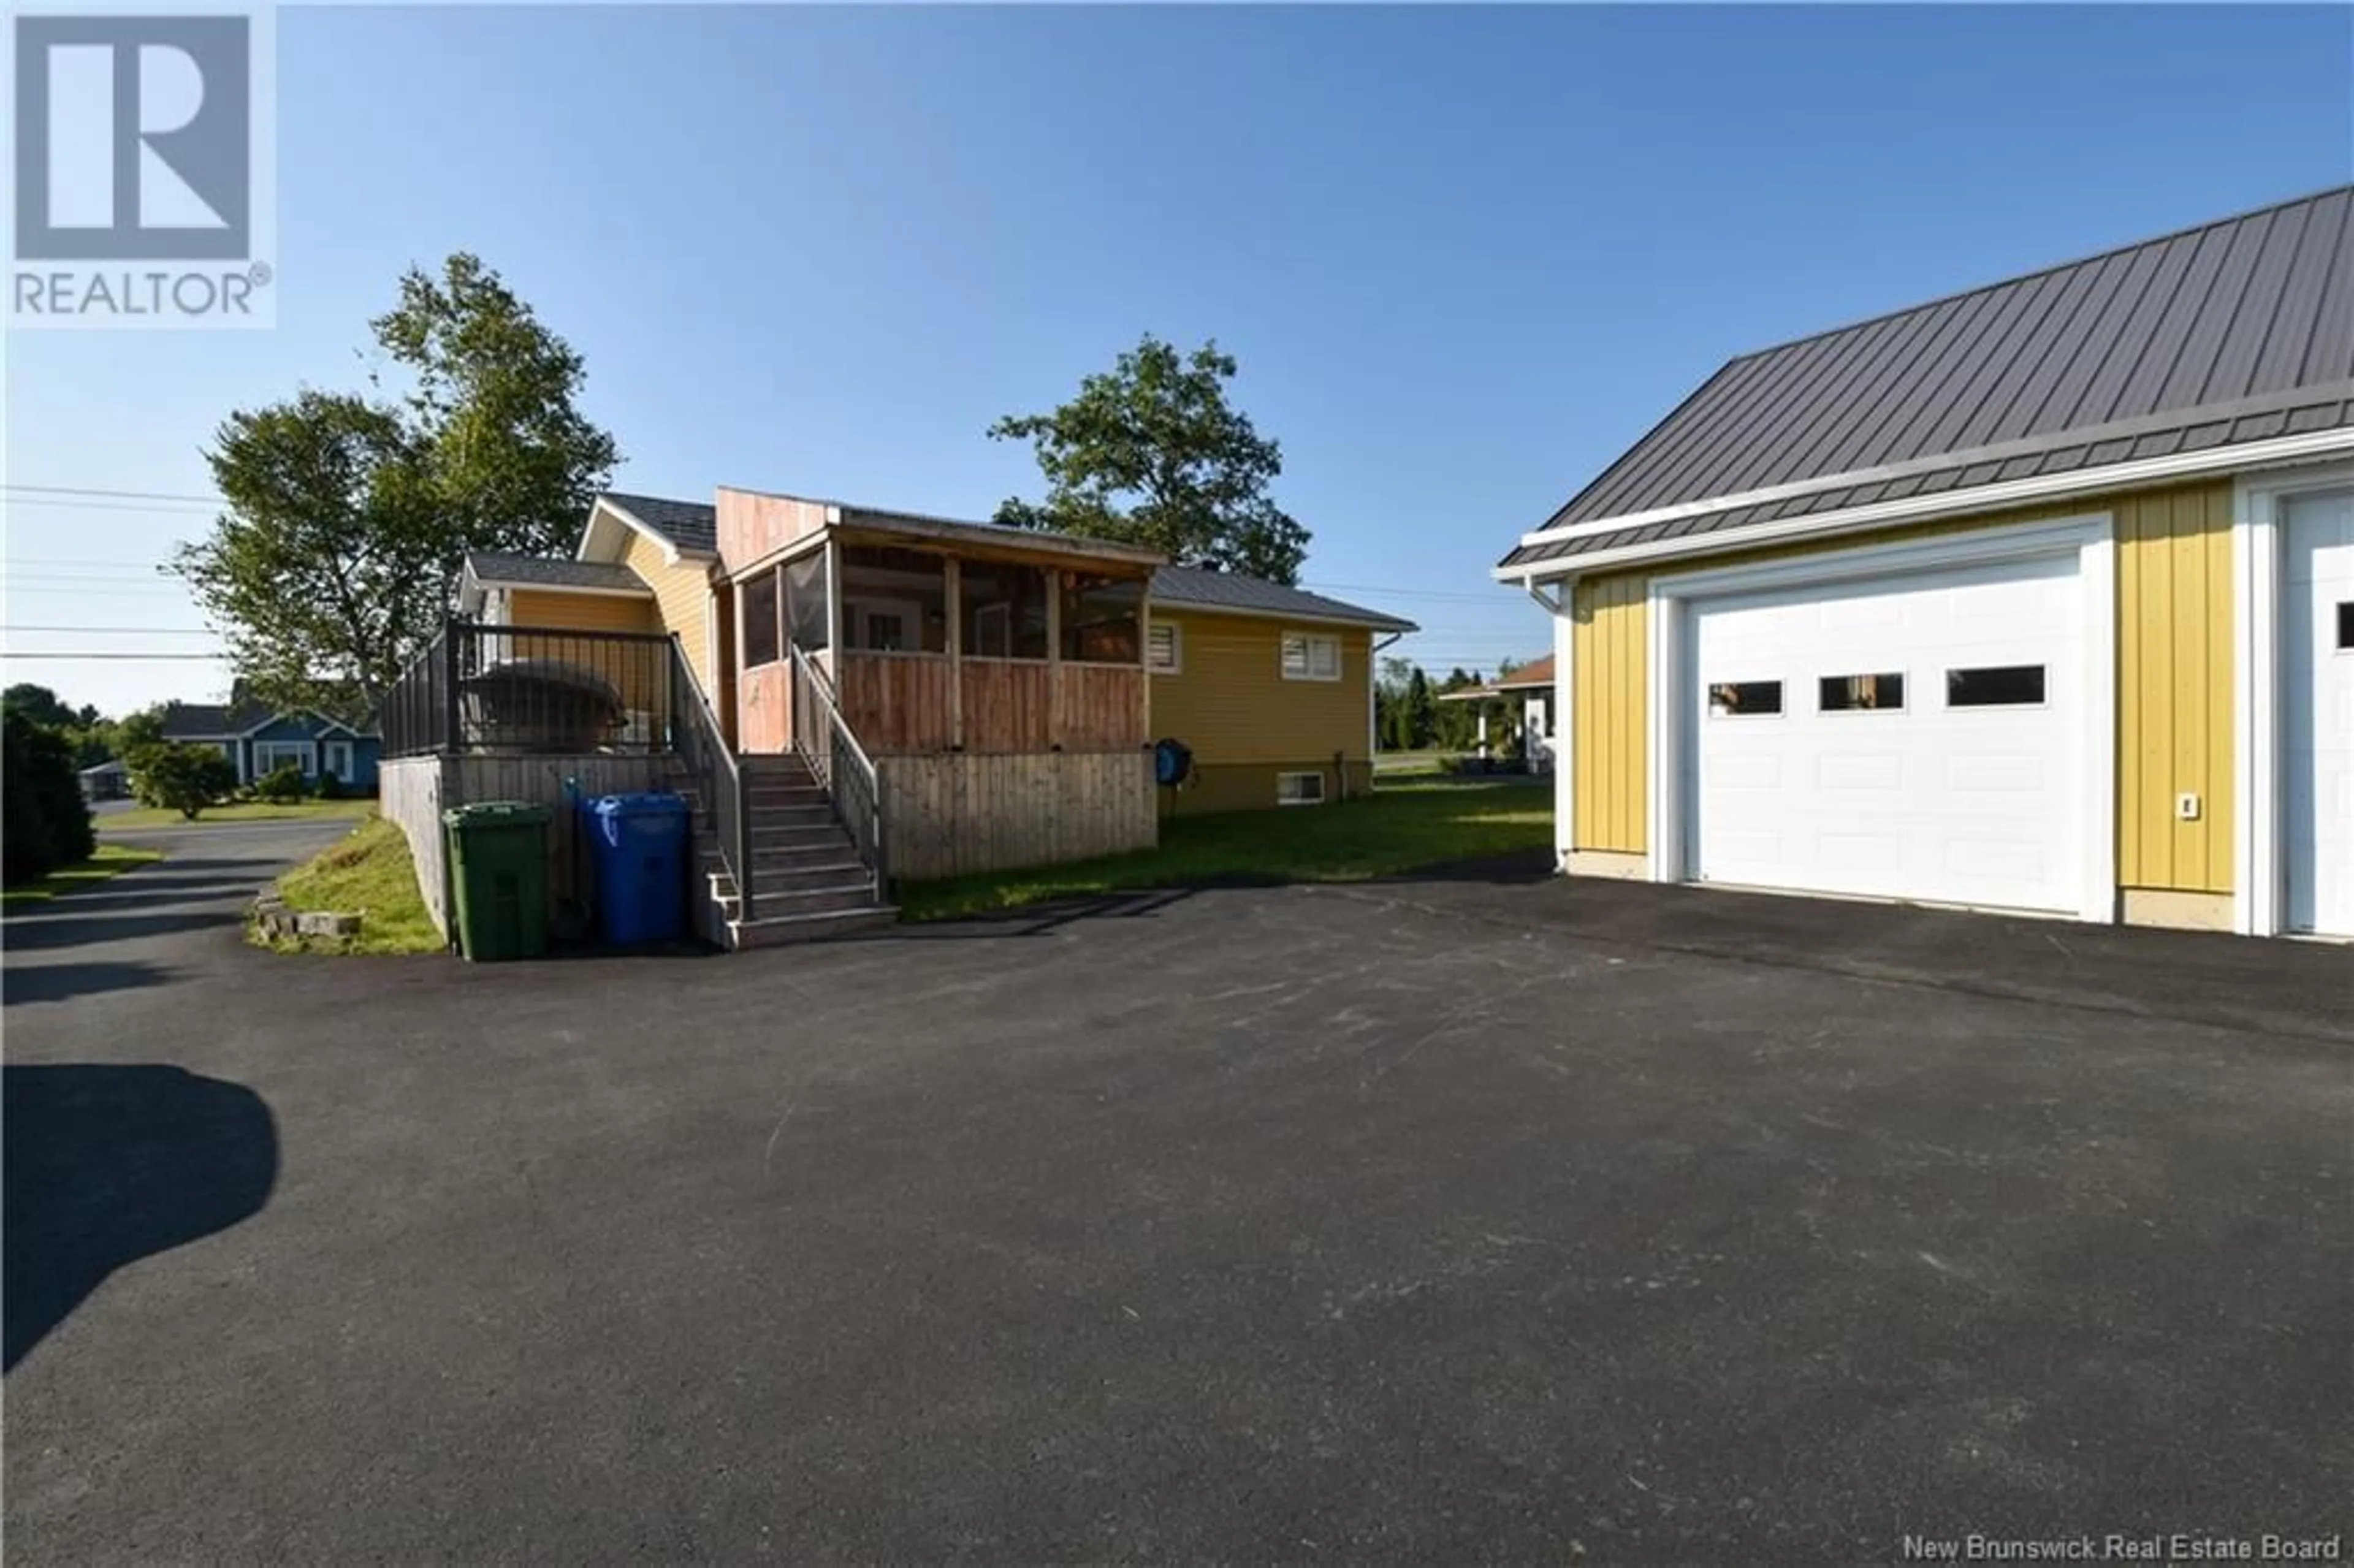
<point x="62" y="982"/>
<point x="107" y="1165"/>
<point x="63" y="928"/>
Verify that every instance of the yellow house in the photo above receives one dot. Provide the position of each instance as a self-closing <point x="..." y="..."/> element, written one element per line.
<point x="854" y="695"/>
<point x="2039" y="596"/>
<point x="1269" y="690"/>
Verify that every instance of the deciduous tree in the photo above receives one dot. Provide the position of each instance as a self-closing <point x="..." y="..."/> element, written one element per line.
<point x="1151" y="452"/>
<point x="350" y="513"/>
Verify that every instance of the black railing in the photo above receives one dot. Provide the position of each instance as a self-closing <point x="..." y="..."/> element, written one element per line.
<point x="536" y="690"/>
<point x="718" y="783"/>
<point x="826" y="743"/>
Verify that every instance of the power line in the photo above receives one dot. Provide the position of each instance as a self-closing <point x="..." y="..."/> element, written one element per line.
<point x="129" y="631"/>
<point x="7" y="655"/>
<point x="85" y="489"/>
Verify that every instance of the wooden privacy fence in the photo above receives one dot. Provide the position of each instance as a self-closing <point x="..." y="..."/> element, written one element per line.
<point x="958" y="814"/>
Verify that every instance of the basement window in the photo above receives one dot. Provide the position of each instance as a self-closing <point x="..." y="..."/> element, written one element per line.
<point x="1743" y="699"/>
<point x="1299" y="789"/>
<point x="1860" y="694"/>
<point x="1996" y="686"/>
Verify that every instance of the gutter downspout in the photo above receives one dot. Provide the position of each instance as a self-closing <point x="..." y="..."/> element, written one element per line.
<point x="1373" y="708"/>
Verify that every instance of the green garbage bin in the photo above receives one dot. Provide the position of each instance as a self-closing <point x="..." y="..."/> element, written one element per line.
<point x="498" y="869"/>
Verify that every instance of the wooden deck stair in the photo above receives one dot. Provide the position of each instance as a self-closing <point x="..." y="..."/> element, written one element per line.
<point x="808" y="881"/>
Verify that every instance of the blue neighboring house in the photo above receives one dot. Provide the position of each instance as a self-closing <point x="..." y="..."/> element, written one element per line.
<point x="261" y="739"/>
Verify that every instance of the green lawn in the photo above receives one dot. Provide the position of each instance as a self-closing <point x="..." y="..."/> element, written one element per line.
<point x="1402" y="827"/>
<point x="369" y="873"/>
<point x="140" y="817"/>
<point x="111" y="860"/>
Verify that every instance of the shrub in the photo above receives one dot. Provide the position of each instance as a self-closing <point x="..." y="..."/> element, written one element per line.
<point x="186" y="778"/>
<point x="48" y="822"/>
<point x="282" y="786"/>
<point x="330" y="788"/>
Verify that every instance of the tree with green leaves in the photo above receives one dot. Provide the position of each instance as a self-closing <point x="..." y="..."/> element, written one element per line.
<point x="47" y="823"/>
<point x="349" y="514"/>
<point x="186" y="779"/>
<point x="1151" y="452"/>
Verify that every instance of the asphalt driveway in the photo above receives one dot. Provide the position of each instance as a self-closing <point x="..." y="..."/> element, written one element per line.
<point x="1465" y="1218"/>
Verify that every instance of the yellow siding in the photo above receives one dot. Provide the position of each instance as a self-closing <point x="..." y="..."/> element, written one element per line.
<point x="1230" y="703"/>
<point x="1607" y="638"/>
<point x="2173" y="675"/>
<point x="681" y="601"/>
<point x="553" y="608"/>
<point x="2174" y="688"/>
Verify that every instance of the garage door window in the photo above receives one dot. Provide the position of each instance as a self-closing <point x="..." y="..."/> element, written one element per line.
<point x="1997" y="686"/>
<point x="1858" y="693"/>
<point x="1744" y="699"/>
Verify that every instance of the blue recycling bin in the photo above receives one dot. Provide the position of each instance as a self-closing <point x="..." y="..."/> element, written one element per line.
<point x="638" y="846"/>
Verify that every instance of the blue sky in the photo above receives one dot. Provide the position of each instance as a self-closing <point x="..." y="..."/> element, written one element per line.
<point x="1464" y="256"/>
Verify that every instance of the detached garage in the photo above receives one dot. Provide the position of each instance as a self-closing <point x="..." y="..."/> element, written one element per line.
<point x="2037" y="599"/>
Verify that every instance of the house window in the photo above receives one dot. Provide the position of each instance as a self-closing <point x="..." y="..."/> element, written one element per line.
<point x="270" y="755"/>
<point x="760" y="645"/>
<point x="1743" y="699"/>
<point x="1164" y="650"/>
<point x="893" y="602"/>
<point x="1997" y="686"/>
<point x="339" y="759"/>
<point x="1311" y="656"/>
<point x="1299" y="789"/>
<point x="1004" y="610"/>
<point x="1857" y="694"/>
<point x="1100" y="618"/>
<point x="2346" y="626"/>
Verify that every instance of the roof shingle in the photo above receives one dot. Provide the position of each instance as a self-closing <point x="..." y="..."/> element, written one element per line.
<point x="550" y="571"/>
<point x="689" y="525"/>
<point x="1182" y="586"/>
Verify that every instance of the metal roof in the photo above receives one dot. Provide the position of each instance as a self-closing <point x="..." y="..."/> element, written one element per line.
<point x="1182" y="587"/>
<point x="687" y="525"/>
<point x="2238" y="330"/>
<point x="501" y="567"/>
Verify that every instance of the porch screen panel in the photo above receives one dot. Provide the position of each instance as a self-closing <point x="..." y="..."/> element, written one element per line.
<point x="760" y="646"/>
<point x="1003" y="607"/>
<point x="1103" y="618"/>
<point x="808" y="587"/>
<point x="893" y="600"/>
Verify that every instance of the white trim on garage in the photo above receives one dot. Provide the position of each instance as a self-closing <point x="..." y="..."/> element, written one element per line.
<point x="2090" y="538"/>
<point x="2258" y="502"/>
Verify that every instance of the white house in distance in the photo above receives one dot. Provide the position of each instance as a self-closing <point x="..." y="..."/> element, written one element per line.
<point x="1532" y="685"/>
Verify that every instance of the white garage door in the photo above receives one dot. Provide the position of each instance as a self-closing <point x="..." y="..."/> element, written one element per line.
<point x="2318" y="713"/>
<point x="1917" y="735"/>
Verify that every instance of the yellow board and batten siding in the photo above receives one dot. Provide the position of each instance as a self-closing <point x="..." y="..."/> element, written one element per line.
<point x="2174" y="682"/>
<point x="1230" y="703"/>
<point x="681" y="603"/>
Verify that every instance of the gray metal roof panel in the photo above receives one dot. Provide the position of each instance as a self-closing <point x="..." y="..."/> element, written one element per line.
<point x="1179" y="586"/>
<point x="2169" y="326"/>
<point x="2334" y="413"/>
<point x="547" y="571"/>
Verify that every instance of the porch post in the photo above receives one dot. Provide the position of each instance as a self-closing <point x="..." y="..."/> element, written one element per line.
<point x="1053" y="658"/>
<point x="952" y="575"/>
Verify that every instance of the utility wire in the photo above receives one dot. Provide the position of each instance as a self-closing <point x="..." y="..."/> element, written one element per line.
<point x="7" y="655"/>
<point x="127" y="630"/>
<point x="85" y="489"/>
